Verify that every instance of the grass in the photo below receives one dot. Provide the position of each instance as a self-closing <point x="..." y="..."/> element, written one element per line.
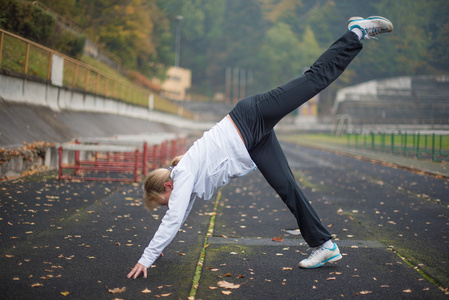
<point x="411" y="141"/>
<point x="427" y="146"/>
<point x="110" y="83"/>
<point x="378" y="140"/>
<point x="102" y="67"/>
<point x="14" y="59"/>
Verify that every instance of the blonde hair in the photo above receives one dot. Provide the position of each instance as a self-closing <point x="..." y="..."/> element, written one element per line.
<point x="153" y="185"/>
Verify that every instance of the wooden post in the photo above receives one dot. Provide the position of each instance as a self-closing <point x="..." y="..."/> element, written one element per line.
<point x="60" y="163"/>
<point x="136" y="165"/>
<point x="25" y="69"/>
<point x="50" y="63"/>
<point x="1" y="47"/>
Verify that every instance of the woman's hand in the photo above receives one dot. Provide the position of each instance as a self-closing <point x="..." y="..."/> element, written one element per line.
<point x="138" y="268"/>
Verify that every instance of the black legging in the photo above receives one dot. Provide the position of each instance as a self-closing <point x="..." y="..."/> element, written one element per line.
<point x="257" y="115"/>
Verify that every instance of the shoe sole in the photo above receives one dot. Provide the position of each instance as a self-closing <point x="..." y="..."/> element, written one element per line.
<point x="329" y="260"/>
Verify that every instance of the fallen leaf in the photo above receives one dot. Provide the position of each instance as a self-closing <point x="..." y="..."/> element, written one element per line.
<point x="65" y="293"/>
<point x="226" y="292"/>
<point x="228" y="275"/>
<point x="213" y="287"/>
<point x="286" y="268"/>
<point x="278" y="239"/>
<point x="36" y="284"/>
<point x="365" y="292"/>
<point x="9" y="256"/>
<point x="117" y="290"/>
<point x="228" y="285"/>
<point x="165" y="295"/>
<point x="331" y="278"/>
<point x="407" y="291"/>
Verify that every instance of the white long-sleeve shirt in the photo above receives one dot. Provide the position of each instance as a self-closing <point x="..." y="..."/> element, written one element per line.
<point x="208" y="165"/>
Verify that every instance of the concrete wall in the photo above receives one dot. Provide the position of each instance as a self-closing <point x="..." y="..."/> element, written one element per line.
<point x="38" y="110"/>
<point x="23" y="90"/>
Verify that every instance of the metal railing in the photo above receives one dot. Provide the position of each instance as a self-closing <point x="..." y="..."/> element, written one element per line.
<point x="23" y="56"/>
<point x="432" y="144"/>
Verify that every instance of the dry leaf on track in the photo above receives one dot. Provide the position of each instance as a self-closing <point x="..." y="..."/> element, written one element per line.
<point x="36" y="284"/>
<point x="278" y="239"/>
<point x="365" y="292"/>
<point x="117" y="290"/>
<point x="228" y="285"/>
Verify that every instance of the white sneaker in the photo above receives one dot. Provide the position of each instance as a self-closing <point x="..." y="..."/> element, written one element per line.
<point x="320" y="256"/>
<point x="371" y="26"/>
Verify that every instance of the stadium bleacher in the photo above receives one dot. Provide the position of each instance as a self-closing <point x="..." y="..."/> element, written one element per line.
<point x="401" y="100"/>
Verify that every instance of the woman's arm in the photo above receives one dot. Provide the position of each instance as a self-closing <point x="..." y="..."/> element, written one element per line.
<point x="139" y="268"/>
<point x="179" y="205"/>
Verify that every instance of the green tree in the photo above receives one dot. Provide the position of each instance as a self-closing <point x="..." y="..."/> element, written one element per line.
<point x="439" y="31"/>
<point x="309" y="50"/>
<point x="26" y="20"/>
<point x="264" y="36"/>
<point x="243" y="30"/>
<point x="281" y="54"/>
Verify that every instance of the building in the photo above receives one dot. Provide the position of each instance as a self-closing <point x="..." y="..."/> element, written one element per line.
<point x="177" y="85"/>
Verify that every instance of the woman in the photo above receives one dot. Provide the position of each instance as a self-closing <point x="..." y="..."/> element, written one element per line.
<point x="245" y="139"/>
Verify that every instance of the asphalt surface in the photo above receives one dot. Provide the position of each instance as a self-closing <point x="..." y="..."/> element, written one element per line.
<point x="78" y="240"/>
<point x="28" y="123"/>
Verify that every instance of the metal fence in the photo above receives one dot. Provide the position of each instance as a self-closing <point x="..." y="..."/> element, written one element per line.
<point x="432" y="144"/>
<point x="22" y="56"/>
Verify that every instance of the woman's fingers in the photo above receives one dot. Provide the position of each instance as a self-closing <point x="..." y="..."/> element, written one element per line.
<point x="135" y="272"/>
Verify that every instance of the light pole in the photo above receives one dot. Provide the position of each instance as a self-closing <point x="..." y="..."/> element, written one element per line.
<point x="178" y="39"/>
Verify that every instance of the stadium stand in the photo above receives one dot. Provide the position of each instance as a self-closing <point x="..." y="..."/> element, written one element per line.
<point x="403" y="100"/>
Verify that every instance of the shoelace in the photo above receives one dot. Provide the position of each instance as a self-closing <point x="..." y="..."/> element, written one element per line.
<point x="371" y="32"/>
<point x="315" y="251"/>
